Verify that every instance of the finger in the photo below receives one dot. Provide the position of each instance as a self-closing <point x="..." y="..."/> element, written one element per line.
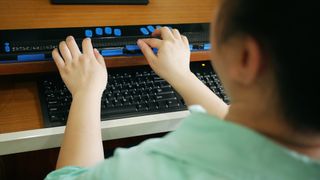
<point x="164" y="32"/>
<point x="147" y="51"/>
<point x="73" y="47"/>
<point x="185" y="40"/>
<point x="176" y="34"/>
<point x="153" y="42"/>
<point x="99" y="57"/>
<point x="58" y="59"/>
<point x="87" y="47"/>
<point x="65" y="52"/>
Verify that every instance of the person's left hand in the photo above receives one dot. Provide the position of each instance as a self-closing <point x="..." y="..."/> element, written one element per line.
<point x="84" y="72"/>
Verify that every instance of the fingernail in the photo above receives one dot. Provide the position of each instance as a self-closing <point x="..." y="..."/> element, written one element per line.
<point x="69" y="38"/>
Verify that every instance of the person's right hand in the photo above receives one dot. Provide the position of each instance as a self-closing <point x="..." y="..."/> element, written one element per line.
<point x="172" y="60"/>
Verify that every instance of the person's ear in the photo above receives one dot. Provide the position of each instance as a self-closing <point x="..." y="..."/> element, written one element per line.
<point x="247" y="67"/>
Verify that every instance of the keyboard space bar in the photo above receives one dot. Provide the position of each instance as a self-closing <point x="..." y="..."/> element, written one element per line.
<point x="114" y="111"/>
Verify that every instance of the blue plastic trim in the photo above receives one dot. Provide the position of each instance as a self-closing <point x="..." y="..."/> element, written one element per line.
<point x="3" y="61"/>
<point x="31" y="57"/>
<point x="112" y="52"/>
<point x="132" y="47"/>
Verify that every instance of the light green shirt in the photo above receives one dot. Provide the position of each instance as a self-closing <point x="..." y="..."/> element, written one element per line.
<point x="203" y="147"/>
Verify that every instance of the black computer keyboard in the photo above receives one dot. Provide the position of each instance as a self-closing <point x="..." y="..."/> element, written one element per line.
<point x="133" y="91"/>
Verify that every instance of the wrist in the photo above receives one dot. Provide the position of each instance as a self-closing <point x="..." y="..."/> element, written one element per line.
<point x="179" y="79"/>
<point x="87" y="94"/>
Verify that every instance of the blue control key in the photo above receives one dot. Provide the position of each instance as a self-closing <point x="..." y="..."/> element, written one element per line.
<point x="99" y="31"/>
<point x="151" y="29"/>
<point x="132" y="47"/>
<point x="108" y="30"/>
<point x="112" y="52"/>
<point x="31" y="57"/>
<point x="144" y="31"/>
<point x="88" y="33"/>
<point x="117" y="32"/>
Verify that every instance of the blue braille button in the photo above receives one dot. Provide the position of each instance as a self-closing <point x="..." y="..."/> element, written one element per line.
<point x="99" y="31"/>
<point x="151" y="29"/>
<point x="144" y="31"/>
<point x="191" y="47"/>
<point x="158" y="27"/>
<point x="108" y="30"/>
<point x="6" y="47"/>
<point x="88" y="33"/>
<point x="117" y="32"/>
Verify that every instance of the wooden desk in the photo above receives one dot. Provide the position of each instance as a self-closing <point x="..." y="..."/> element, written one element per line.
<point x="19" y="104"/>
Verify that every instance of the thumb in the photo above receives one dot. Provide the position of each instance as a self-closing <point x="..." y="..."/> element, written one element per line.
<point x="147" y="51"/>
<point x="99" y="57"/>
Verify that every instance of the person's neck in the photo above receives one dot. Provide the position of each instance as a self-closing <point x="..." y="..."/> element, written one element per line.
<point x="270" y="123"/>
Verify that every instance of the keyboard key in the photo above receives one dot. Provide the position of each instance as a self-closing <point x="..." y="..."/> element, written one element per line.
<point x="152" y="106"/>
<point x="162" y="104"/>
<point x="55" y="118"/>
<point x="173" y="103"/>
<point x="142" y="107"/>
<point x="168" y="96"/>
<point x="124" y="109"/>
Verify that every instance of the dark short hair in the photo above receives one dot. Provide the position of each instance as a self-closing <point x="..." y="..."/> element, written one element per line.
<point x="287" y="31"/>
